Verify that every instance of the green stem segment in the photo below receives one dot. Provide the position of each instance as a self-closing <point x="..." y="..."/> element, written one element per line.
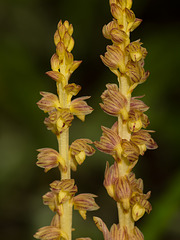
<point x="63" y="142"/>
<point x="66" y="218"/>
<point x="125" y="217"/>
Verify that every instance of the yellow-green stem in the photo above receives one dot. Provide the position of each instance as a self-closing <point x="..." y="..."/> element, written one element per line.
<point x="66" y="218"/>
<point x="63" y="142"/>
<point x="125" y="217"/>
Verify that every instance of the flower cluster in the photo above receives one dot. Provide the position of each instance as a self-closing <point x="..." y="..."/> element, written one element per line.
<point x="128" y="138"/>
<point x="61" y="110"/>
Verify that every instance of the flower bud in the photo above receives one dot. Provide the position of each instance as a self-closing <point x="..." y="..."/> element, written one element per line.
<point x="56" y="37"/>
<point x="60" y="50"/>
<point x="69" y="59"/>
<point x="70" y="45"/>
<point x="66" y="24"/>
<point x="61" y="30"/>
<point x="129" y="4"/>
<point x="130" y="16"/>
<point x="55" y="62"/>
<point x="66" y="39"/>
<point x="118" y="36"/>
<point x="116" y="11"/>
<point x="107" y="29"/>
<point x="70" y="29"/>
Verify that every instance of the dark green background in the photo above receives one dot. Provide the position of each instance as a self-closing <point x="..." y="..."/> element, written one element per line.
<point x="26" y="46"/>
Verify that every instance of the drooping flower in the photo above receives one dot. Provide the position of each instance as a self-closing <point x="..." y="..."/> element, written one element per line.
<point x="80" y="108"/>
<point x="143" y="140"/>
<point x="136" y="104"/>
<point x="130" y="150"/>
<point x="140" y="206"/>
<point x="52" y="232"/>
<point x="114" y="102"/>
<point x="48" y="102"/>
<point x="110" y="177"/>
<point x="135" y="51"/>
<point x="123" y="192"/>
<point x="137" y="118"/>
<point x="49" y="158"/>
<point x="64" y="189"/>
<point x="65" y="119"/>
<point x="79" y="149"/>
<point x="50" y="199"/>
<point x="111" y="143"/>
<point x="48" y="233"/>
<point x="61" y="192"/>
<point x="85" y="202"/>
<point x="136" y="184"/>
<point x="59" y="121"/>
<point x="136" y="72"/>
<point x="114" y="58"/>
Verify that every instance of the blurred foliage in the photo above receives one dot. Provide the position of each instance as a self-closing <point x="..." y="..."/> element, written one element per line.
<point x="26" y="45"/>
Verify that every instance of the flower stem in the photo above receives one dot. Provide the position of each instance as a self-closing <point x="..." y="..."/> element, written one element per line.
<point x="63" y="142"/>
<point x="125" y="217"/>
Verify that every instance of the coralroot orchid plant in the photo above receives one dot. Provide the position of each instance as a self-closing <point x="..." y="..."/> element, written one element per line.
<point x="125" y="141"/>
<point x="61" y="110"/>
<point x="127" y="138"/>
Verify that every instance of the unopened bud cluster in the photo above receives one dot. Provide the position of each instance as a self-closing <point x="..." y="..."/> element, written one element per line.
<point x="127" y="139"/>
<point x="61" y="110"/>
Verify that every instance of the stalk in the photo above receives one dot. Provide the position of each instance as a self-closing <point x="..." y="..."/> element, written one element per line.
<point x="63" y="142"/>
<point x="126" y="139"/>
<point x="125" y="217"/>
<point x="61" y="110"/>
